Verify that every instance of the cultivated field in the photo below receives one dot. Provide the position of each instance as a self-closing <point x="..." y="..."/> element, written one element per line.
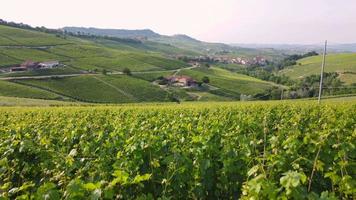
<point x="209" y="151"/>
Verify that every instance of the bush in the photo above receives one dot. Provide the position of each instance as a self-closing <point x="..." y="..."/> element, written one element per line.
<point x="127" y="71"/>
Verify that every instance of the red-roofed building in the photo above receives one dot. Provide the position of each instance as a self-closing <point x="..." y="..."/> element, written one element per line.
<point x="183" y="81"/>
<point x="29" y="64"/>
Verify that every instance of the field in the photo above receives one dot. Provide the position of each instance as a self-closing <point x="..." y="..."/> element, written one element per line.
<point x="16" y="90"/>
<point x="16" y="101"/>
<point x="101" y="89"/>
<point x="147" y="60"/>
<point x="341" y="63"/>
<point x="195" y="151"/>
<point x="229" y="84"/>
<point x="19" y="45"/>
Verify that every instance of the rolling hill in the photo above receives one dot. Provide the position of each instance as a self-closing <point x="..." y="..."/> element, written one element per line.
<point x="84" y="59"/>
<point x="20" y="45"/>
<point x="227" y="84"/>
<point x="182" y="44"/>
<point x="344" y="64"/>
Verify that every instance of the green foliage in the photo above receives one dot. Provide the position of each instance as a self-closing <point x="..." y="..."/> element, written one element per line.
<point x="205" y="79"/>
<point x="189" y="151"/>
<point x="127" y="71"/>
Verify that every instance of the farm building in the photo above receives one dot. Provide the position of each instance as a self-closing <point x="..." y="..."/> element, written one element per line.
<point x="182" y="81"/>
<point x="18" y="69"/>
<point x="49" y="64"/>
<point x="30" y="65"/>
<point x="27" y="65"/>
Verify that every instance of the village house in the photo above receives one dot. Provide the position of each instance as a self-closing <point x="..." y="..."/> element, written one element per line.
<point x="181" y="81"/>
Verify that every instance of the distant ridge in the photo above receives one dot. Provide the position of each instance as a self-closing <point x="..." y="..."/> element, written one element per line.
<point x="121" y="33"/>
<point x="179" y="40"/>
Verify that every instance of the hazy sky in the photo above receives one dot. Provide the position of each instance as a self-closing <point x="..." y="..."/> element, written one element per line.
<point x="230" y="21"/>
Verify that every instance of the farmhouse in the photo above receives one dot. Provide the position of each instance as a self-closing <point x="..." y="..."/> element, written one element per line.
<point x="18" y="69"/>
<point x="49" y="64"/>
<point x="27" y="65"/>
<point x="182" y="81"/>
<point x="30" y="65"/>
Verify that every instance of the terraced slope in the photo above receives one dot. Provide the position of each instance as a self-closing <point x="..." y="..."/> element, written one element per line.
<point x="344" y="64"/>
<point x="19" y="45"/>
<point x="89" y="56"/>
<point x="10" y="36"/>
<point x="17" y="101"/>
<point x="17" y="90"/>
<point x="227" y="83"/>
<point x="102" y="89"/>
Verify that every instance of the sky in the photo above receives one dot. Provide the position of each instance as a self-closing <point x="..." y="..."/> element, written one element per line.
<point x="229" y="21"/>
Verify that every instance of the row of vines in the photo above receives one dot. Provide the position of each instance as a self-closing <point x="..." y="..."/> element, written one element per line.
<point x="232" y="151"/>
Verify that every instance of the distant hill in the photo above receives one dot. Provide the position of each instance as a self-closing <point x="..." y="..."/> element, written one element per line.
<point x="179" y="40"/>
<point x="299" y="48"/>
<point x="120" y="33"/>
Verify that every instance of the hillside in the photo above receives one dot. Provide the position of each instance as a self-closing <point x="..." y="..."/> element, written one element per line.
<point x="20" y="45"/>
<point x="227" y="84"/>
<point x="180" y="42"/>
<point x="85" y="59"/>
<point x="344" y="64"/>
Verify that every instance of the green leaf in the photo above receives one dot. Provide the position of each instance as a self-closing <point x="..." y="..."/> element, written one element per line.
<point x="141" y="178"/>
<point x="47" y="191"/>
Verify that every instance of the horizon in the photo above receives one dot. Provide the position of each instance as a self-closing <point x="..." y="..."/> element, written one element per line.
<point x="232" y="22"/>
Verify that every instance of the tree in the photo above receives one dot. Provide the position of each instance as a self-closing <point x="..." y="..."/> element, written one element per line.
<point x="205" y="79"/>
<point x="104" y="71"/>
<point x="127" y="71"/>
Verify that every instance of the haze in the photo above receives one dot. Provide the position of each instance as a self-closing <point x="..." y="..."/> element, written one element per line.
<point x="229" y="21"/>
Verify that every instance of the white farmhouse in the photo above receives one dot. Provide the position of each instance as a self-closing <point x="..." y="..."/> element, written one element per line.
<point x="49" y="64"/>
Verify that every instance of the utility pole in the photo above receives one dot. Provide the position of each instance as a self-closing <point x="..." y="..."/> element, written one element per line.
<point x="322" y="72"/>
<point x="282" y="94"/>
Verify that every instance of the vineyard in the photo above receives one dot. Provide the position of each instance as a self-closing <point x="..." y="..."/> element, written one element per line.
<point x="190" y="151"/>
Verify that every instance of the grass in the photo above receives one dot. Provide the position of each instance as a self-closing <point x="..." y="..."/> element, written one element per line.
<point x="334" y="63"/>
<point x="348" y="77"/>
<point x="16" y="90"/>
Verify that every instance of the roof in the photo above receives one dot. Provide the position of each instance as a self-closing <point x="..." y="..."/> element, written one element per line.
<point x="49" y="63"/>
